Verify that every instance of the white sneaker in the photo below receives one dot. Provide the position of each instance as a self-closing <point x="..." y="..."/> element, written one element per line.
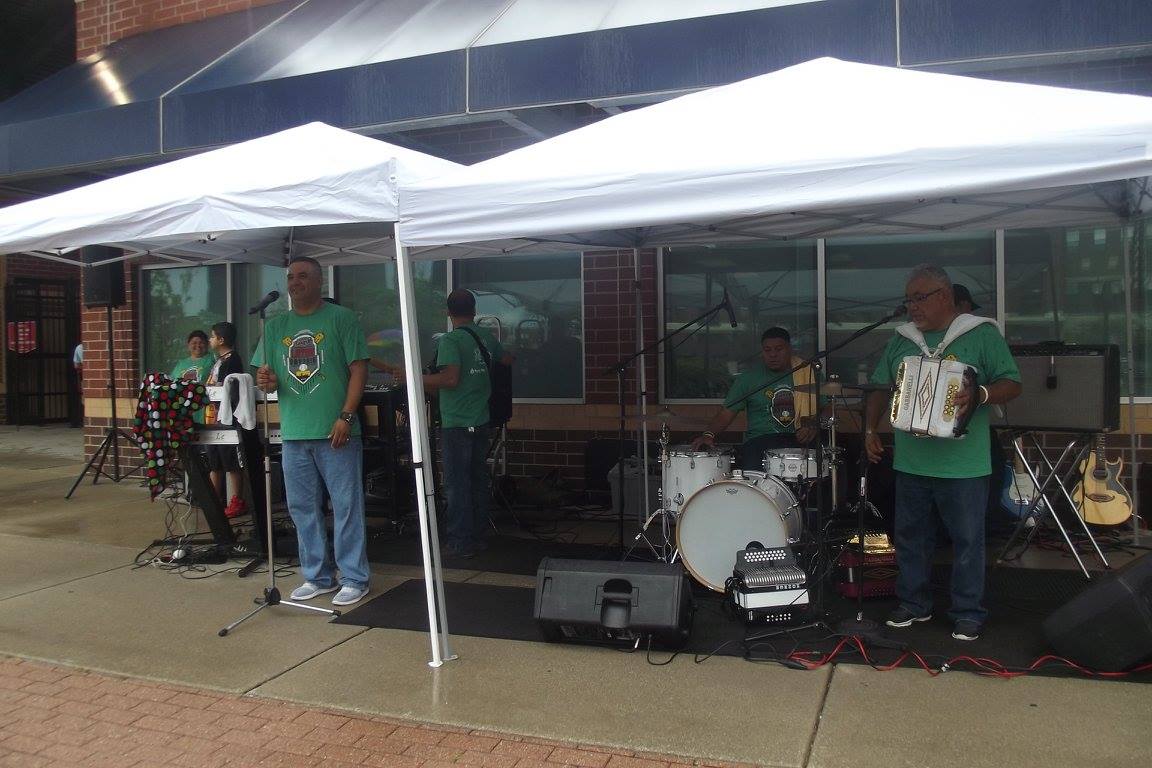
<point x="308" y="590"/>
<point x="349" y="595"/>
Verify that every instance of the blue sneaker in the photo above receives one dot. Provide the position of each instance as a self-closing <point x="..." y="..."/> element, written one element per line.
<point x="349" y="595"/>
<point x="308" y="590"/>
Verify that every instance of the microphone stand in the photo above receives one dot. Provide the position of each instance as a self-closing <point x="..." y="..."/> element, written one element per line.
<point x="816" y="362"/>
<point x="618" y="370"/>
<point x="271" y="594"/>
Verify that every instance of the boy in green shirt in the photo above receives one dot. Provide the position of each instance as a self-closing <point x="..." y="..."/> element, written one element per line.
<point x="952" y="473"/>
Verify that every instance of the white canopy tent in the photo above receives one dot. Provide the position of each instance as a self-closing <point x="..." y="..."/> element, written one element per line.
<point x="818" y="149"/>
<point x="314" y="190"/>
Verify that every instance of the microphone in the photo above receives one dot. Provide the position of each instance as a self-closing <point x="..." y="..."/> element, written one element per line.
<point x="900" y="311"/>
<point x="727" y="304"/>
<point x="264" y="302"/>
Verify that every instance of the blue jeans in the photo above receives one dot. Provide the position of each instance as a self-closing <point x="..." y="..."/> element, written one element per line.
<point x="309" y="467"/>
<point x="465" y="453"/>
<point x="961" y="503"/>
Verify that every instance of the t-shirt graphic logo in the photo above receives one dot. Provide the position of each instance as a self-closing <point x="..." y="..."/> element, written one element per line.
<point x="304" y="358"/>
<point x="192" y="374"/>
<point x="784" y="407"/>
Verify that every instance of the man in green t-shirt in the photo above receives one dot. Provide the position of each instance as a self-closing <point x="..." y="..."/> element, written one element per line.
<point x="196" y="366"/>
<point x="317" y="361"/>
<point x="781" y="414"/>
<point x="952" y="473"/>
<point x="462" y="379"/>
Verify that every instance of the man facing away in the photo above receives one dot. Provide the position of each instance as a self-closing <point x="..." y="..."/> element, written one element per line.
<point x="464" y="385"/>
<point x="316" y="361"/>
<point x="952" y="473"/>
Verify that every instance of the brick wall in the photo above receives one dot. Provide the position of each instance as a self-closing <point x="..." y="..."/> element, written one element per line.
<point x="20" y="266"/>
<point x="101" y="22"/>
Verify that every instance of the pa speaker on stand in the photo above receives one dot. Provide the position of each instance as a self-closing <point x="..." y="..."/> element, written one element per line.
<point x="103" y="281"/>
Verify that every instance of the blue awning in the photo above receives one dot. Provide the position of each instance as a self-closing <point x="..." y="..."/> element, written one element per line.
<point x="386" y="66"/>
<point x="107" y="107"/>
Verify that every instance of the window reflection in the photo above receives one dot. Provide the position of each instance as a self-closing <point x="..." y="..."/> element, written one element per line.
<point x="534" y="306"/>
<point x="372" y="292"/>
<point x="1068" y="285"/>
<point x="175" y="302"/>
<point x="772" y="284"/>
<point x="865" y="281"/>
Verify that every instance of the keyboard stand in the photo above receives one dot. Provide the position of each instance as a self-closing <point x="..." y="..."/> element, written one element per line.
<point x="1049" y="480"/>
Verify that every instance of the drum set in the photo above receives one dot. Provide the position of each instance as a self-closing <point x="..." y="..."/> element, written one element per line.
<point x="709" y="511"/>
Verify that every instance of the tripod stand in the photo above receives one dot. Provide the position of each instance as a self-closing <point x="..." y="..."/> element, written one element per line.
<point x="112" y="435"/>
<point x="271" y="595"/>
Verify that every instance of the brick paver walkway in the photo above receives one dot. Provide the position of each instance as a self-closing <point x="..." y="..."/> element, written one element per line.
<point x="56" y="717"/>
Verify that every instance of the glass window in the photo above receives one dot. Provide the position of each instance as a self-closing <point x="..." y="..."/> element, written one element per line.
<point x="771" y="284"/>
<point x="865" y="281"/>
<point x="534" y="306"/>
<point x="175" y="302"/>
<point x="1068" y="285"/>
<point x="372" y="293"/>
<point x="251" y="283"/>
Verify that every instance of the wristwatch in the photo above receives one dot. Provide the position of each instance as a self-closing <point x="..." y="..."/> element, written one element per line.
<point x="347" y="416"/>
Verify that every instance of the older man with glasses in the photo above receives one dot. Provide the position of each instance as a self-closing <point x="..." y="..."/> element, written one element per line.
<point x="950" y="473"/>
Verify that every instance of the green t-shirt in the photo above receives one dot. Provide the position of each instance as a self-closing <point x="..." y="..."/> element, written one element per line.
<point x="194" y="369"/>
<point x="772" y="409"/>
<point x="310" y="355"/>
<point x="467" y="404"/>
<point x="983" y="348"/>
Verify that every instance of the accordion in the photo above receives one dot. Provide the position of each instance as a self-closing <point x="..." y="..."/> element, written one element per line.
<point x="924" y="401"/>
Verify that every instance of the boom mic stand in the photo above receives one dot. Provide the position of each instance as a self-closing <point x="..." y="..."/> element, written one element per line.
<point x="271" y="594"/>
<point x="816" y="362"/>
<point x="618" y="370"/>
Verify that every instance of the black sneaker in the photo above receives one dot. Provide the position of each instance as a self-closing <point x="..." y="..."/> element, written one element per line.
<point x="902" y="617"/>
<point x="966" y="630"/>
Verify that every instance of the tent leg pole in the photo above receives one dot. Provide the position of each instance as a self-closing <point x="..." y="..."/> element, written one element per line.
<point x="1127" y="234"/>
<point x="421" y="461"/>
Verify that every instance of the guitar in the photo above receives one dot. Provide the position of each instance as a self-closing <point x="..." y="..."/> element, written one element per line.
<point x="1018" y="489"/>
<point x="1099" y="496"/>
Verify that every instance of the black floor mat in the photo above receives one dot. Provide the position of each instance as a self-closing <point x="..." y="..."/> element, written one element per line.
<point x="1018" y="601"/>
<point x="505" y="554"/>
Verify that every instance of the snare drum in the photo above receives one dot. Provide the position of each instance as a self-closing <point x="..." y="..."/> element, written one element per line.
<point x="793" y="464"/>
<point x="686" y="471"/>
<point x="722" y="518"/>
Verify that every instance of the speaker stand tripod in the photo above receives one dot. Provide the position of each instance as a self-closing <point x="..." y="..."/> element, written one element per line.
<point x="271" y="595"/>
<point x="112" y="435"/>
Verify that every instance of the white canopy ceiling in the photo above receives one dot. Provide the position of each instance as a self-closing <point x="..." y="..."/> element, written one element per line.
<point x="242" y="202"/>
<point x="821" y="148"/>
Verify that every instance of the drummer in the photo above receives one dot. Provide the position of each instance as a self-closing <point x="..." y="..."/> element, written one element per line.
<point x="781" y="405"/>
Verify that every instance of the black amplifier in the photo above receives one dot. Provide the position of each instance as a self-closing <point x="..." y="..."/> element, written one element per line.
<point x="1067" y="388"/>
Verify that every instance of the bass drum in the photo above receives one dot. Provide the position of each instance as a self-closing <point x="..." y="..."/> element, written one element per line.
<point x="723" y="518"/>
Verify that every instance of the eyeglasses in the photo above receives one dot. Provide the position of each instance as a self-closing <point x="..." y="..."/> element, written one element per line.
<point x="920" y="297"/>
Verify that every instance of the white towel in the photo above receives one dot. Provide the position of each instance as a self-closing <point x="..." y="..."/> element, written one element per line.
<point x="245" y="408"/>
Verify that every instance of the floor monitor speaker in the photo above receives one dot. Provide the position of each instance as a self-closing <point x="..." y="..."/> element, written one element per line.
<point x="597" y="601"/>
<point x="103" y="283"/>
<point x="1108" y="626"/>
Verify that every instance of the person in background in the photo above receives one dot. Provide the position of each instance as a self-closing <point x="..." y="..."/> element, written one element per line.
<point x="463" y="384"/>
<point x="317" y="362"/>
<point x="223" y="458"/>
<point x="964" y="303"/>
<point x="195" y="367"/>
<point x="78" y="366"/>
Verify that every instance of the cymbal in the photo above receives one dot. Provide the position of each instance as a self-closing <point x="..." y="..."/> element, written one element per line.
<point x="669" y="416"/>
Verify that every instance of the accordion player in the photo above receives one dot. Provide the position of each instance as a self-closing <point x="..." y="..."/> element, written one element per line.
<point x="924" y="397"/>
